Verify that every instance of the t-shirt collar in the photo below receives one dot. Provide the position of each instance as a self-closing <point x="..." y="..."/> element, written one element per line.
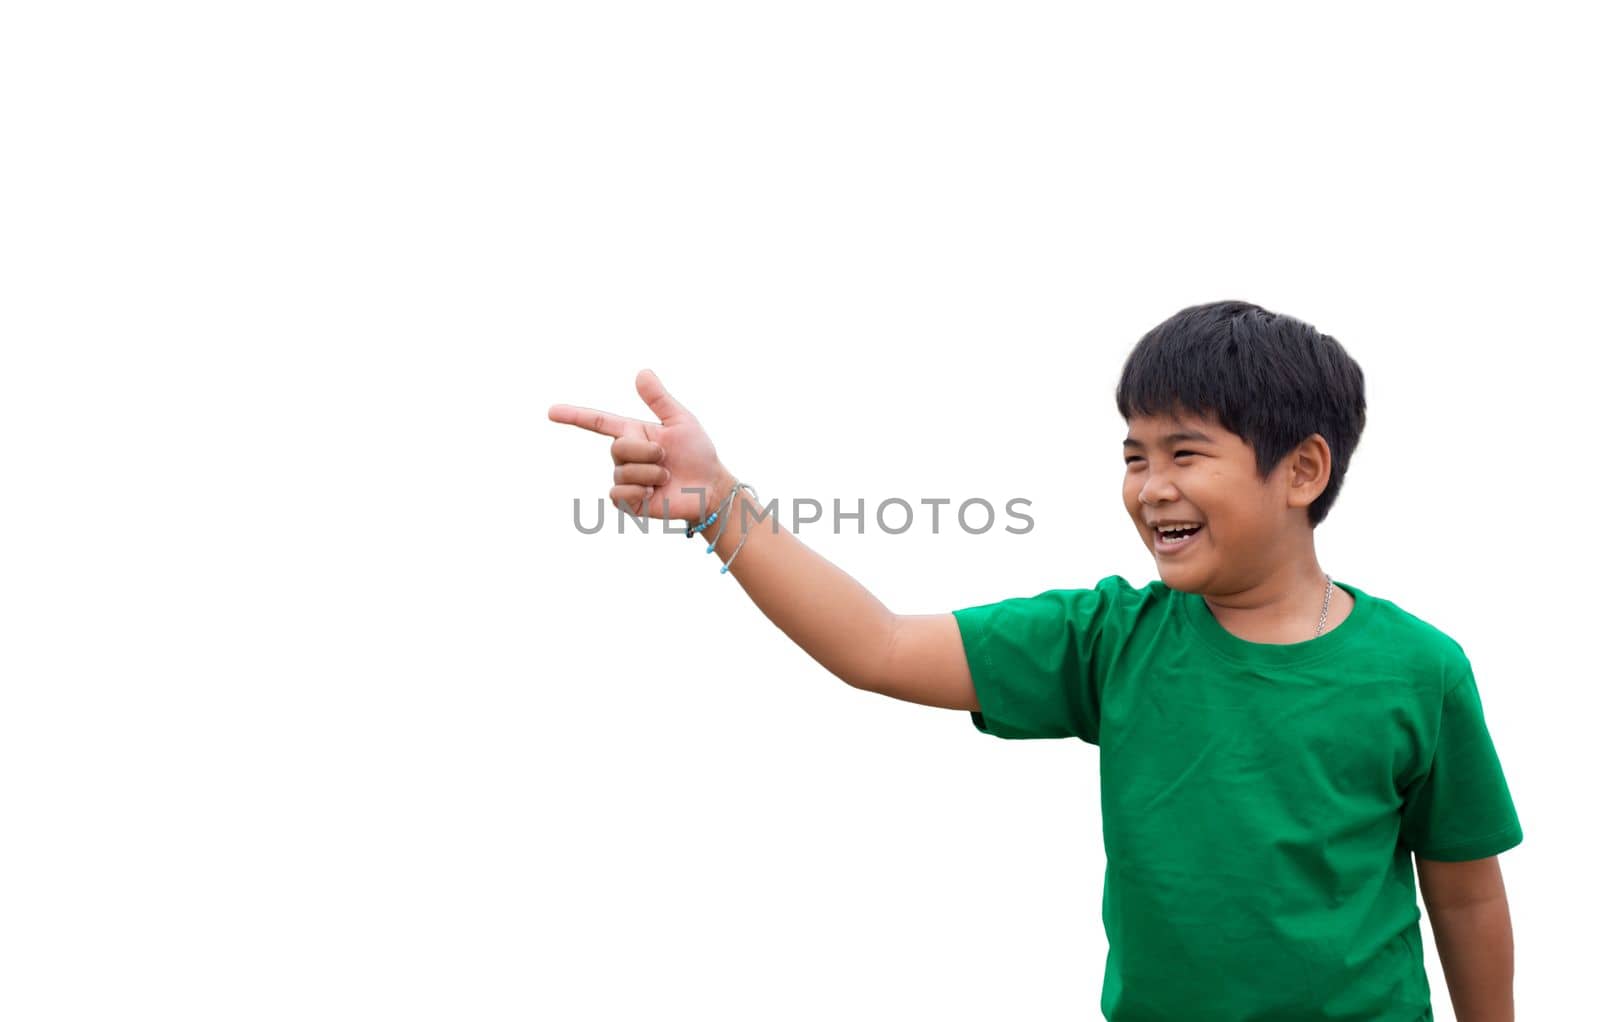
<point x="1234" y="648"/>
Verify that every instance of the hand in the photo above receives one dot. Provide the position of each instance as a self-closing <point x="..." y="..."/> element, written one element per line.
<point x="656" y="463"/>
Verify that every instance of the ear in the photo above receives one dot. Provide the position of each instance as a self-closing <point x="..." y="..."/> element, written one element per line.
<point x="1310" y="466"/>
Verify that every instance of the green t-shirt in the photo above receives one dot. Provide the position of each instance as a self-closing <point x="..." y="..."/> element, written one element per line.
<point x="1260" y="803"/>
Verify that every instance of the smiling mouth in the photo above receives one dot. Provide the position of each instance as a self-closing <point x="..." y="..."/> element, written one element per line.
<point x="1171" y="543"/>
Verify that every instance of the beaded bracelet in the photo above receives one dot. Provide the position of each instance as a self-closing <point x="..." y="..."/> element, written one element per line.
<point x="746" y="535"/>
<point x="714" y="516"/>
<point x="723" y="512"/>
<point x="728" y="512"/>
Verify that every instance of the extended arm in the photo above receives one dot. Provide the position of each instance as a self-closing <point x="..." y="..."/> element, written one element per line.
<point x="916" y="657"/>
<point x="1471" y="922"/>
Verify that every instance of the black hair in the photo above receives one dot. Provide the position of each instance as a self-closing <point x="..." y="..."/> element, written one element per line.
<point x="1269" y="378"/>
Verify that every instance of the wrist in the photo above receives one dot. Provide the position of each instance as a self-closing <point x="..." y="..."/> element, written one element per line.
<point x="721" y="483"/>
<point x="702" y="505"/>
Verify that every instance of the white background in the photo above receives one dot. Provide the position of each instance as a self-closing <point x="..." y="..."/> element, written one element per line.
<point x="316" y="704"/>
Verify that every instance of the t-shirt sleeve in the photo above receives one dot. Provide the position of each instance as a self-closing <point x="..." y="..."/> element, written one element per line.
<point x="1460" y="808"/>
<point x="1036" y="661"/>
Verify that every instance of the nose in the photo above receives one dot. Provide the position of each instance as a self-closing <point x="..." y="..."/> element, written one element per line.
<point x="1157" y="488"/>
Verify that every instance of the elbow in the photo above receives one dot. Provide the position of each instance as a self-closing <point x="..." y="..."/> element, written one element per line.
<point x="868" y="672"/>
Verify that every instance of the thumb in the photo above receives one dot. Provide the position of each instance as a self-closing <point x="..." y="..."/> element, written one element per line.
<point x="655" y="395"/>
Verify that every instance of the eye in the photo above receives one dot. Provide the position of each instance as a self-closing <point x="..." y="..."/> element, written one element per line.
<point x="1179" y="454"/>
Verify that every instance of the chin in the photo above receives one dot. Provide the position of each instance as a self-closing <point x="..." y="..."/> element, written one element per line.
<point x="1166" y="577"/>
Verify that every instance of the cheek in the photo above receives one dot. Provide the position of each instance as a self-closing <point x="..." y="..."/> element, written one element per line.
<point x="1130" y="504"/>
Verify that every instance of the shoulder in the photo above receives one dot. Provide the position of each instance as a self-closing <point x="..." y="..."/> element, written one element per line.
<point x="1417" y="642"/>
<point x="1119" y="589"/>
<point x="1111" y="590"/>
<point x="1113" y="596"/>
<point x="1111" y="602"/>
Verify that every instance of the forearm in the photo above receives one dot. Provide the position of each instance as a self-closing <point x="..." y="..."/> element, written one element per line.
<point x="1475" y="949"/>
<point x="826" y="612"/>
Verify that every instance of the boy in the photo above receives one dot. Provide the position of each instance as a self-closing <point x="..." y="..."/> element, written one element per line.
<point x="1274" y="746"/>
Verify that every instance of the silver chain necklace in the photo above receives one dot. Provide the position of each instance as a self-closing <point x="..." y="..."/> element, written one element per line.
<point x="1325" y="597"/>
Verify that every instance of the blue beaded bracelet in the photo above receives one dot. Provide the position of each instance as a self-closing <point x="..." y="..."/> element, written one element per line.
<point x="696" y="528"/>
<point x="719" y="514"/>
<point x="701" y="526"/>
<point x="725" y="567"/>
<point x="726" y="508"/>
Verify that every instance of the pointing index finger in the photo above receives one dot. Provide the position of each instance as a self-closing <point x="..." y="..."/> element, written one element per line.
<point x="591" y="419"/>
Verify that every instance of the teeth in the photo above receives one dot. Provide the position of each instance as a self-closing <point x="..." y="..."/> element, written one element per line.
<point x="1175" y="528"/>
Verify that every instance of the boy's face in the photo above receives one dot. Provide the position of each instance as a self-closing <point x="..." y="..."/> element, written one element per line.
<point x="1207" y="475"/>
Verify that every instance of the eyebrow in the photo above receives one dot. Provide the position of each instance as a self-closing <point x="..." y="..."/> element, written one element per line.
<point x="1172" y="438"/>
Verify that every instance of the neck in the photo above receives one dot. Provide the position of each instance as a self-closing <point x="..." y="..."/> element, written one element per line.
<point x="1282" y="606"/>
